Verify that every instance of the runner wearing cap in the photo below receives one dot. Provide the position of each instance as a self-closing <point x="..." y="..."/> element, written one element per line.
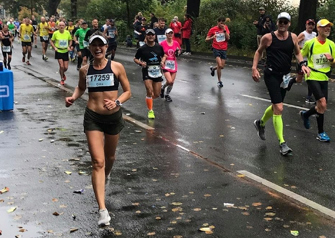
<point x="279" y="46"/>
<point x="151" y="58"/>
<point x="61" y="42"/>
<point x="103" y="120"/>
<point x="79" y="38"/>
<point x="220" y="35"/>
<point x="320" y="53"/>
<point x="171" y="50"/>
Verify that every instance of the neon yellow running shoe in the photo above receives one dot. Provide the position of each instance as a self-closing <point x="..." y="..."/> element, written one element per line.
<point x="151" y="114"/>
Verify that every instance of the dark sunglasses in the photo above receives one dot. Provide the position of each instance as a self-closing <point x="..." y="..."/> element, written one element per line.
<point x="169" y="32"/>
<point x="150" y="34"/>
<point x="283" y="22"/>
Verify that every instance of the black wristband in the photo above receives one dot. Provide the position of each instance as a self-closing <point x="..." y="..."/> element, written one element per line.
<point x="302" y="63"/>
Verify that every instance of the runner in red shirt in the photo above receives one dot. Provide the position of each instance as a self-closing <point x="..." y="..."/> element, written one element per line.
<point x="220" y="35"/>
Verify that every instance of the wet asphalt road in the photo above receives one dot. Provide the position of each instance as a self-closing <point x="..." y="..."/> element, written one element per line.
<point x="158" y="188"/>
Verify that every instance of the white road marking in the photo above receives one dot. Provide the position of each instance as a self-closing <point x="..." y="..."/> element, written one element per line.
<point x="289" y="194"/>
<point x="267" y="100"/>
<point x="182" y="147"/>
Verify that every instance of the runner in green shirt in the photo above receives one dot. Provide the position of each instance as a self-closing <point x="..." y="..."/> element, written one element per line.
<point x="60" y="41"/>
<point x="79" y="37"/>
<point x="320" y="53"/>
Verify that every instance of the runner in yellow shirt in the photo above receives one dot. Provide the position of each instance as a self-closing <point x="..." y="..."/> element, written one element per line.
<point x="61" y="41"/>
<point x="26" y="32"/>
<point x="43" y="28"/>
<point x="320" y="53"/>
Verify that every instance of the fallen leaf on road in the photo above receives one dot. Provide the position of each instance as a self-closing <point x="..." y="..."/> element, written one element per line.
<point x="267" y="229"/>
<point x="294" y="233"/>
<point x="226" y="204"/>
<point x="197" y="209"/>
<point x="158" y="218"/>
<point x="40" y="139"/>
<point x="256" y="204"/>
<point x="1" y="200"/>
<point x="73" y="230"/>
<point x="118" y="233"/>
<point x="205" y="229"/>
<point x="55" y="200"/>
<point x="268" y="208"/>
<point x="11" y="209"/>
<point x="4" y="190"/>
<point x="55" y="214"/>
<point x="151" y="233"/>
<point x="50" y="231"/>
<point x="241" y="175"/>
<point x="22" y="230"/>
<point x="138" y="212"/>
<point x="68" y="172"/>
<point x="245" y="213"/>
<point x="207" y="195"/>
<point x="268" y="219"/>
<point x="176" y="203"/>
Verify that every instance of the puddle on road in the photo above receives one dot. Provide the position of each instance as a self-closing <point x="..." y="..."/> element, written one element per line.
<point x="11" y="228"/>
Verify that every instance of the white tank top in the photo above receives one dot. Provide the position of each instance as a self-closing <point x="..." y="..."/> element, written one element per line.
<point x="307" y="37"/>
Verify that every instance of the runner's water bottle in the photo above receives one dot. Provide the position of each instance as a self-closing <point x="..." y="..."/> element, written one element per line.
<point x="176" y="53"/>
<point x="1" y="65"/>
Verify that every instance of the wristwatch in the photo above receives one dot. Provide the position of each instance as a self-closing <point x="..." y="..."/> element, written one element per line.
<point x="118" y="103"/>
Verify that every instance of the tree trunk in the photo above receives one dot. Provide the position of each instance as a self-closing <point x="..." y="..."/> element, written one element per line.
<point x="307" y="10"/>
<point x="193" y="7"/>
<point x="52" y="7"/>
<point x="73" y="9"/>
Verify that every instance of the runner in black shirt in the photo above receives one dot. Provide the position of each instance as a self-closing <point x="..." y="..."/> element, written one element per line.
<point x="151" y="57"/>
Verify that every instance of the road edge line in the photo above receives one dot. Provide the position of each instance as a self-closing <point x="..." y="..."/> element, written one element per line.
<point x="288" y="193"/>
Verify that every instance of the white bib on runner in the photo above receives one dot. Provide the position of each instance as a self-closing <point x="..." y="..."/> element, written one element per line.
<point x="170" y="64"/>
<point x="85" y="43"/>
<point x="320" y="61"/>
<point x="26" y="37"/>
<point x="220" y="37"/>
<point x="161" y="38"/>
<point x="45" y="37"/>
<point x="6" y="49"/>
<point x="100" y="80"/>
<point x="63" y="43"/>
<point x="141" y="43"/>
<point x="154" y="71"/>
<point x="286" y="80"/>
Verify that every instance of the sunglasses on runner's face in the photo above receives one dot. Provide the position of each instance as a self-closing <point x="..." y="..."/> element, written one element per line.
<point x="285" y="22"/>
<point x="150" y="34"/>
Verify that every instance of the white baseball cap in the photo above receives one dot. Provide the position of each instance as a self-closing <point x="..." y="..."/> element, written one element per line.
<point x="284" y="15"/>
<point x="98" y="37"/>
<point x="168" y="31"/>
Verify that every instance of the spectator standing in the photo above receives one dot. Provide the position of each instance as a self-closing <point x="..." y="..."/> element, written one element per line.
<point x="176" y="26"/>
<point x="259" y="26"/>
<point x="186" y="33"/>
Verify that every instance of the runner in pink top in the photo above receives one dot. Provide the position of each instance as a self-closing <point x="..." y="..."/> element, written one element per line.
<point x="171" y="50"/>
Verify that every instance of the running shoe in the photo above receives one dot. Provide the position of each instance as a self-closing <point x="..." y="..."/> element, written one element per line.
<point x="212" y="71"/>
<point x="28" y="63"/>
<point x="309" y="99"/>
<point x="23" y="59"/>
<point x="260" y="129"/>
<point x="168" y="98"/>
<point x="64" y="78"/>
<point x="151" y="114"/>
<point x="220" y="84"/>
<point x="62" y="82"/>
<point x="104" y="218"/>
<point x="284" y="149"/>
<point x="9" y="67"/>
<point x="323" y="137"/>
<point x="304" y="119"/>
<point x="162" y="92"/>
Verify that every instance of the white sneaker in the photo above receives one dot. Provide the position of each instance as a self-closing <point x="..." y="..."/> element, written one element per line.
<point x="104" y="217"/>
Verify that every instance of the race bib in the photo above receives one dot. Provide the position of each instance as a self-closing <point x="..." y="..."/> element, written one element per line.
<point x="45" y="38"/>
<point x="100" y="80"/>
<point x="26" y="37"/>
<point x="220" y="37"/>
<point x="6" y="49"/>
<point x="170" y="64"/>
<point x="161" y="38"/>
<point x="141" y="43"/>
<point x="286" y="80"/>
<point x="85" y="43"/>
<point x="63" y="43"/>
<point x="111" y="34"/>
<point x="320" y="61"/>
<point x="154" y="71"/>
